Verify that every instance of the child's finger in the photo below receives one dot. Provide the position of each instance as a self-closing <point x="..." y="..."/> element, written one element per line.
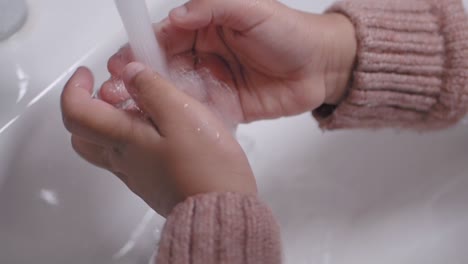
<point x="239" y="15"/>
<point x="94" y="119"/>
<point x="169" y="108"/>
<point x="113" y="91"/>
<point x="119" y="60"/>
<point x="174" y="40"/>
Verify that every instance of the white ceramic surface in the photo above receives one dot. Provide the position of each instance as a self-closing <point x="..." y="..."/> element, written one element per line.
<point x="341" y="197"/>
<point x="13" y="13"/>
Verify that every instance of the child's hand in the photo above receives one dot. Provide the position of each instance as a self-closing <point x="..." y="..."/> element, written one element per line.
<point x="179" y="149"/>
<point x="279" y="61"/>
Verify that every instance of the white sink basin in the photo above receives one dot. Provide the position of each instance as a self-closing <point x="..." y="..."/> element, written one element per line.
<point x="55" y="208"/>
<point x="341" y="198"/>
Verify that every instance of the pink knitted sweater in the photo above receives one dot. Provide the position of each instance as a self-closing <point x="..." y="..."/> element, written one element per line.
<point x="411" y="72"/>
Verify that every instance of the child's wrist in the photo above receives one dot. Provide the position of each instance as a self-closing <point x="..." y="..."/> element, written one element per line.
<point x="343" y="48"/>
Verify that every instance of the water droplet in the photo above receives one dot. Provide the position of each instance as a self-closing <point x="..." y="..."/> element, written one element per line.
<point x="49" y="196"/>
<point x="119" y="88"/>
<point x="186" y="105"/>
<point x="198" y="129"/>
<point x="23" y="82"/>
<point x="127" y="105"/>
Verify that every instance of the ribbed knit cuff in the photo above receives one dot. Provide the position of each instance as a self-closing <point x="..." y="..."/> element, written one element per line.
<point x="412" y="66"/>
<point x="220" y="228"/>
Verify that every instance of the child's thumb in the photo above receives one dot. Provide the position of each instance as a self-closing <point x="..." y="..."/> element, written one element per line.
<point x="239" y="15"/>
<point x="169" y="108"/>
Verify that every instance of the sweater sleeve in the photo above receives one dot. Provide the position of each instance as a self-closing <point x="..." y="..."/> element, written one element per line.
<point x="220" y="228"/>
<point x="411" y="69"/>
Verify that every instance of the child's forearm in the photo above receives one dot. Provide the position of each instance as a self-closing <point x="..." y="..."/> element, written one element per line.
<point x="412" y="66"/>
<point x="220" y="228"/>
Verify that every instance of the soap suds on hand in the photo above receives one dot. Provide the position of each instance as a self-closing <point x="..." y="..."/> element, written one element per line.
<point x="200" y="83"/>
<point x="217" y="95"/>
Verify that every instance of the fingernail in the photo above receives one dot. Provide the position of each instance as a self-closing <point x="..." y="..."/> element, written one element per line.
<point x="74" y="80"/>
<point x="78" y="70"/>
<point x="180" y="11"/>
<point x="132" y="70"/>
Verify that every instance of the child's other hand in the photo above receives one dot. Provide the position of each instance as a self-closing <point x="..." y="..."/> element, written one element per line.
<point x="279" y="61"/>
<point x="178" y="150"/>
